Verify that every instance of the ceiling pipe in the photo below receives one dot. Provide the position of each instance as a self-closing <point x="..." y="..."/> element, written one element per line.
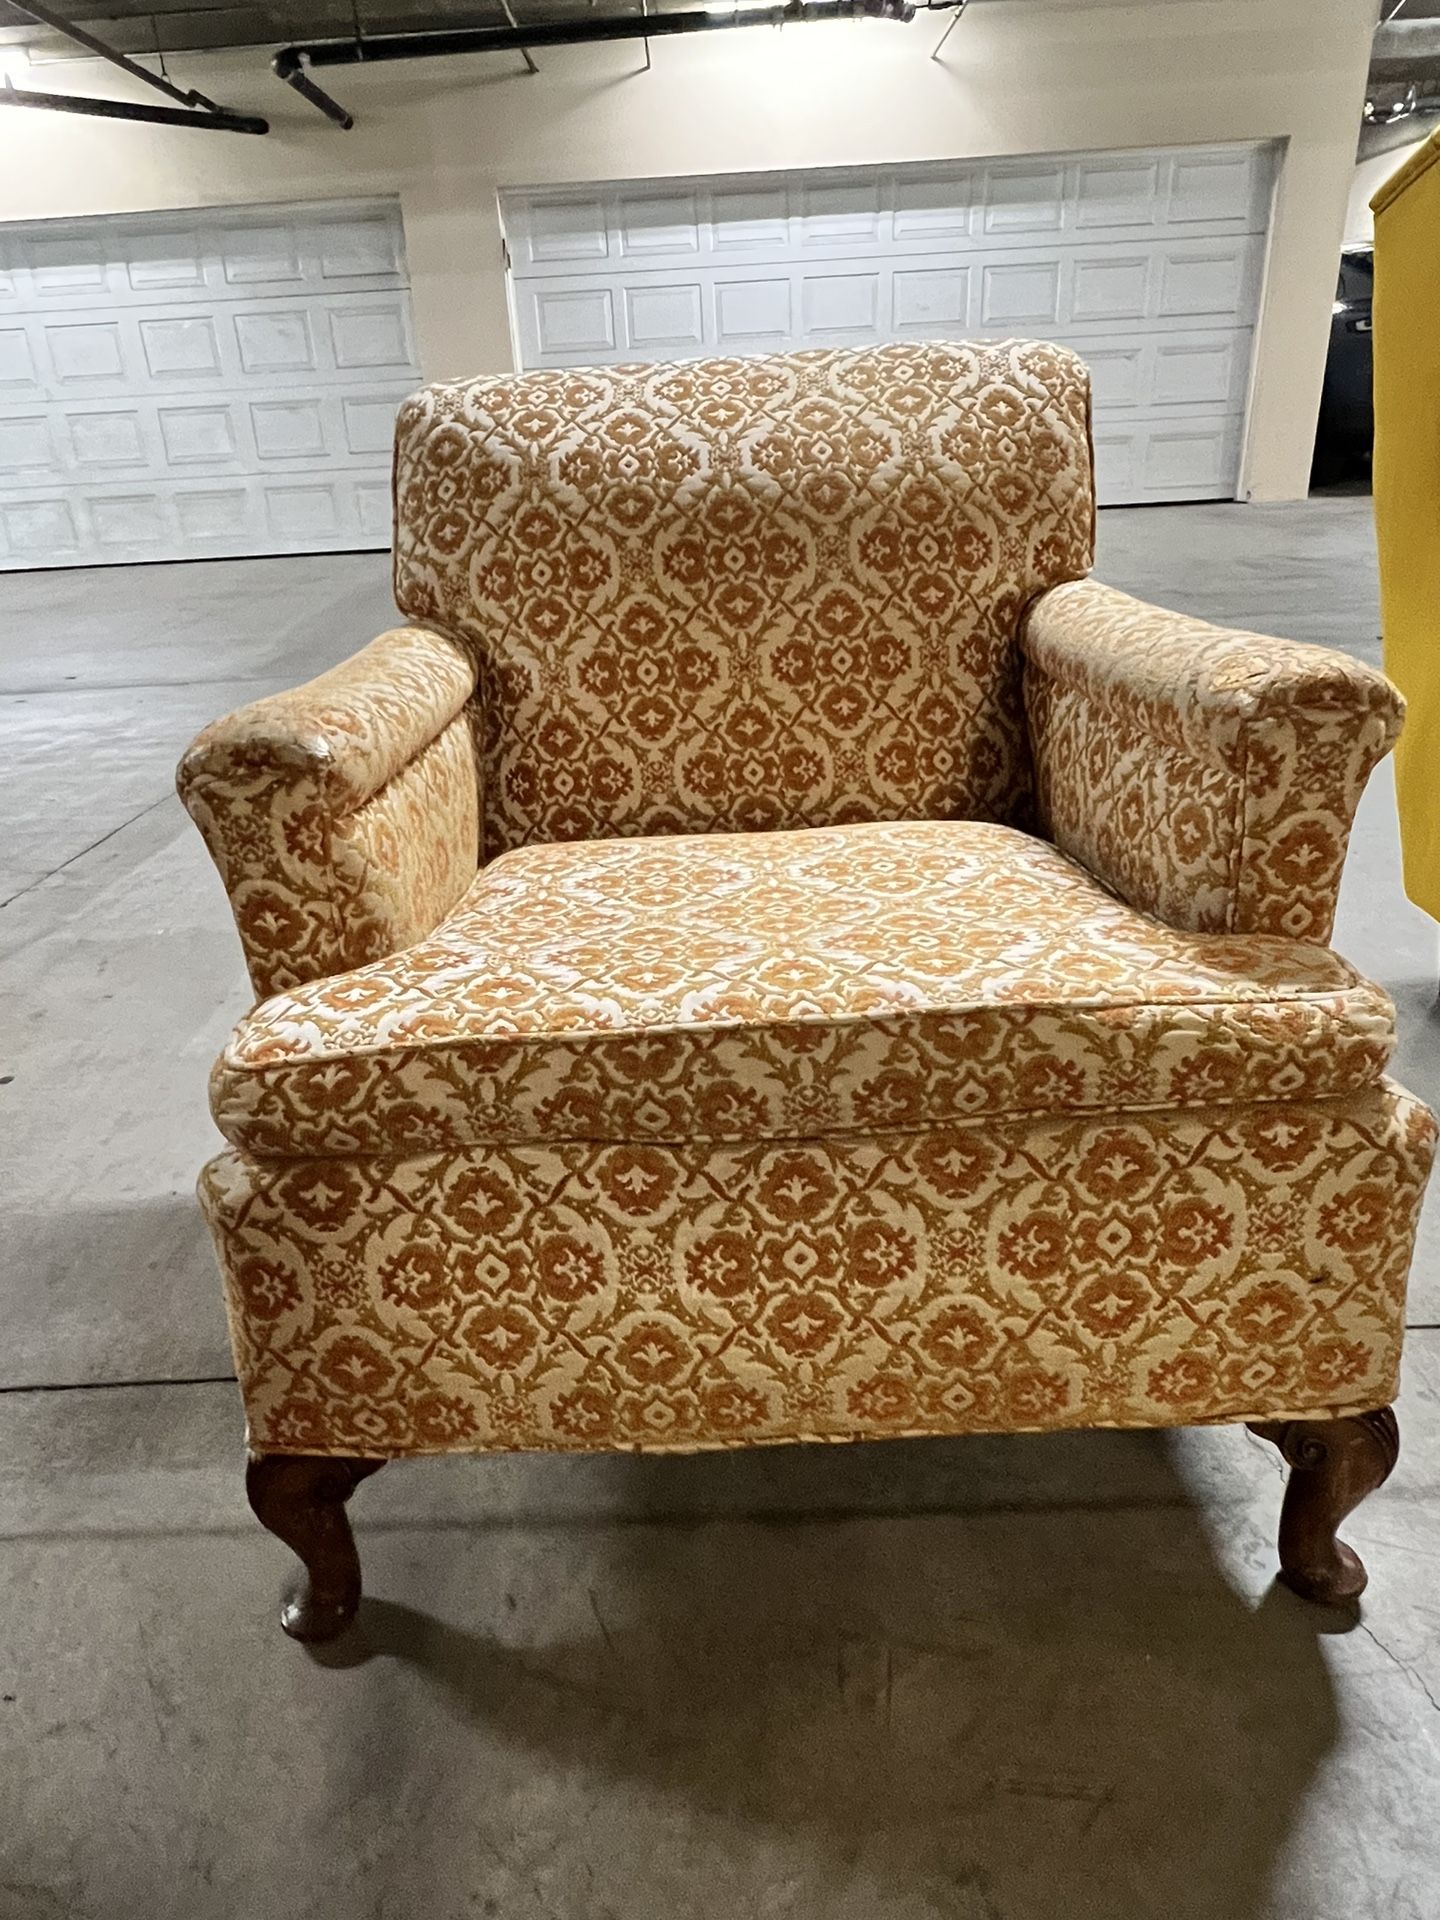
<point x="212" y="120"/>
<point x="200" y="110"/>
<point x="289" y="66"/>
<point x="1404" y="51"/>
<point x="1407" y="130"/>
<point x="1407" y="40"/>
<point x="290" y="63"/>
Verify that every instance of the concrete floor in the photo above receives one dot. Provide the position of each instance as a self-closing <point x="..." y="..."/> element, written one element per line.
<point x="994" y="1680"/>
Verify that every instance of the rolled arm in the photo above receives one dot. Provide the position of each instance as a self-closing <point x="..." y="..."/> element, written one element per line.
<point x="1209" y="777"/>
<point x="344" y="816"/>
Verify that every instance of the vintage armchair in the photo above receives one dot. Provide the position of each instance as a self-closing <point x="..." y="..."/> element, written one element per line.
<point x="772" y="952"/>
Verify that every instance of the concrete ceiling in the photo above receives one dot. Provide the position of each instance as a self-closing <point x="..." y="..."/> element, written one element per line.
<point x="173" y="26"/>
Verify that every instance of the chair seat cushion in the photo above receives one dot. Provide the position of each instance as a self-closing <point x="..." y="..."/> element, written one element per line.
<point x="850" y="979"/>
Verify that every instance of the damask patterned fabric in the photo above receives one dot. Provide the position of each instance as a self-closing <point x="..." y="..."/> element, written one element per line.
<point x="1130" y="1270"/>
<point x="1209" y="776"/>
<point x="829" y="980"/>
<point x="744" y="594"/>
<point x="581" y="1115"/>
<point x="344" y="816"/>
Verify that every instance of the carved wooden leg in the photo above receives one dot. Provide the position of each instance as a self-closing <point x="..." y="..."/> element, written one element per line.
<point x="1333" y="1465"/>
<point x="301" y="1498"/>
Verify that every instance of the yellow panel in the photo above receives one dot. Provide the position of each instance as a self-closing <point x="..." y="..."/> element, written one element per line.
<point x="1407" y="493"/>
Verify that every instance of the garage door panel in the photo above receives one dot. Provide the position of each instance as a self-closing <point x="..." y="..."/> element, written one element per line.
<point x="754" y="314"/>
<point x="38" y="532"/>
<point x="372" y="333"/>
<point x="930" y="300"/>
<point x="1117" y="375"/>
<point x="748" y="220"/>
<point x="1002" y="204"/>
<point x="1159" y="460"/>
<point x="1023" y="200"/>
<point x="373" y="511"/>
<point x="89" y="525"/>
<point x="363" y="250"/>
<point x="180" y="348"/>
<point x="665" y="226"/>
<point x="1206" y="278"/>
<point x="103" y="440"/>
<point x="1216" y="190"/>
<point x="88" y="354"/>
<point x="666" y="321"/>
<point x="183" y="386"/>
<point x="27" y="447"/>
<point x="571" y="320"/>
<point x="564" y="229"/>
<point x="1200" y="373"/>
<point x="1116" y="193"/>
<point x="327" y="340"/>
<point x="123" y="262"/>
<point x="835" y="307"/>
<point x="1091" y="286"/>
<point x="839" y="215"/>
<point x="367" y="425"/>
<point x="1187" y="461"/>
<point x="1146" y="263"/>
<point x="931" y="207"/>
<point x="1168" y="373"/>
<point x="1021" y="294"/>
<point x="1167" y="285"/>
<point x="165" y="264"/>
<point x="212" y="518"/>
<point x="19" y="375"/>
<point x="1111" y="287"/>
<point x="186" y="437"/>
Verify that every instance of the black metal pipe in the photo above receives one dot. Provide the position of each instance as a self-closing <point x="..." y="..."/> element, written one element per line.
<point x="207" y="119"/>
<point x="442" y="43"/>
<point x="35" y="11"/>
<point x="289" y="67"/>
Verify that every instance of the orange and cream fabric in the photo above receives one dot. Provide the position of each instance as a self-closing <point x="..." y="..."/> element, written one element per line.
<point x="774" y="953"/>
<point x="1139" y="1268"/>
<point x="747" y="594"/>
<point x="344" y="817"/>
<point x="748" y="986"/>
<point x="1209" y="777"/>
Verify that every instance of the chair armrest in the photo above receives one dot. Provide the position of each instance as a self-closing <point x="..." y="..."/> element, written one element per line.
<point x="1208" y="777"/>
<point x="344" y="816"/>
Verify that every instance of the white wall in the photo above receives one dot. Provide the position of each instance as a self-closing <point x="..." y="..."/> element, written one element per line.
<point x="1017" y="76"/>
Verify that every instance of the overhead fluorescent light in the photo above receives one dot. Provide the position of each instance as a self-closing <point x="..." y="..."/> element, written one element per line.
<point x="14" y="65"/>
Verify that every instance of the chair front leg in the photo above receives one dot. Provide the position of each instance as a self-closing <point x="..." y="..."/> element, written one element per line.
<point x="1333" y="1464"/>
<point x="300" y="1498"/>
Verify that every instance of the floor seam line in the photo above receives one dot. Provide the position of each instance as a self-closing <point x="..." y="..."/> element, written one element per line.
<point x="150" y="808"/>
<point x="111" y="1386"/>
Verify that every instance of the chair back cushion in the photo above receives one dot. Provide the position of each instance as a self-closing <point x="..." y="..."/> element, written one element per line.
<point x="747" y="594"/>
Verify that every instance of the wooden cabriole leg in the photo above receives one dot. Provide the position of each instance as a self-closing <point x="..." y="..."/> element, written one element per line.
<point x="301" y="1498"/>
<point x="1333" y="1465"/>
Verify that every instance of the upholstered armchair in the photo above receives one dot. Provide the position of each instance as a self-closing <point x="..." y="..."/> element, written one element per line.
<point x="772" y="952"/>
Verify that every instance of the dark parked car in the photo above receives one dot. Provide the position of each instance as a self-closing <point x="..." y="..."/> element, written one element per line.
<point x="1346" y="427"/>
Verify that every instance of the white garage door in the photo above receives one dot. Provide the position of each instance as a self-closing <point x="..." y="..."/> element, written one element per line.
<point x="183" y="386"/>
<point x="1147" y="263"/>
